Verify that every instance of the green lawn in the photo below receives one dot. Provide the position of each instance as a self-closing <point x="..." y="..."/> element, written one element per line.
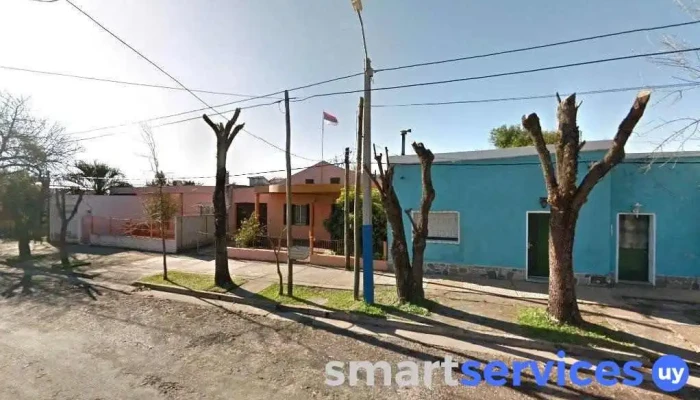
<point x="386" y="301"/>
<point x="190" y="280"/>
<point x="537" y="324"/>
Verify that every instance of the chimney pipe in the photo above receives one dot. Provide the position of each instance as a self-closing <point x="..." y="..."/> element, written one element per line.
<point x="403" y="141"/>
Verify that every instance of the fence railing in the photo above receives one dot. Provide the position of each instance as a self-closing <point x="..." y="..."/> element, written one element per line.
<point x="331" y="247"/>
<point x="108" y="226"/>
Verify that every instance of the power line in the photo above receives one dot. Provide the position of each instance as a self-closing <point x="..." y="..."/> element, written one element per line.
<point x="502" y="74"/>
<point x="541" y="46"/>
<point x="543" y="96"/>
<point x="164" y="71"/>
<point x="109" y="80"/>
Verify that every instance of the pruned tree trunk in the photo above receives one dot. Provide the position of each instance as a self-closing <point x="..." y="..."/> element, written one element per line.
<point x="566" y="198"/>
<point x="420" y="231"/>
<point x="562" y="285"/>
<point x="409" y="276"/>
<point x="224" y="137"/>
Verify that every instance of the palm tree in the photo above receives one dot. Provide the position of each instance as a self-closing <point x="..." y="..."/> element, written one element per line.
<point x="99" y="177"/>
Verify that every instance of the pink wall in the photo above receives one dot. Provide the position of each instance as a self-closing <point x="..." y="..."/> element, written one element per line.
<point x="322" y="210"/>
<point x="242" y="195"/>
<point x="329" y="171"/>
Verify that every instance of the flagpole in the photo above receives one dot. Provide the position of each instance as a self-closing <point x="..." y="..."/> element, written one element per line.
<point x="323" y="125"/>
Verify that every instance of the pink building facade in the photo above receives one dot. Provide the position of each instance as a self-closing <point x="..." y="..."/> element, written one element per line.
<point x="314" y="191"/>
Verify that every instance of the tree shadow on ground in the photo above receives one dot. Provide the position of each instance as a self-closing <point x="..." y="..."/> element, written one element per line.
<point x="25" y="279"/>
<point x="647" y="348"/>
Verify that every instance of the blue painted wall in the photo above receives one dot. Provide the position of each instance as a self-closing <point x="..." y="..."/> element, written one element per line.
<point x="671" y="191"/>
<point x="494" y="196"/>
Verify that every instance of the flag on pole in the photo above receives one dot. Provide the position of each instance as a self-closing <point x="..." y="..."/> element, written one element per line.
<point x="330" y="118"/>
<point x="357" y="5"/>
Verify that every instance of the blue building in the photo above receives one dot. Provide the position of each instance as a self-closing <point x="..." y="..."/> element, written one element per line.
<point x="490" y="217"/>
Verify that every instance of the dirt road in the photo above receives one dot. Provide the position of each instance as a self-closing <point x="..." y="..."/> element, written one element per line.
<point x="66" y="339"/>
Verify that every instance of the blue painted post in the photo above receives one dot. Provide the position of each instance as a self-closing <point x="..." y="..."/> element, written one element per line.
<point x="367" y="253"/>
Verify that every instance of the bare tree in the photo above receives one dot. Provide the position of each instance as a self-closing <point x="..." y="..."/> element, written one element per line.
<point x="33" y="145"/>
<point x="224" y="137"/>
<point x="161" y="207"/>
<point x="409" y="276"/>
<point x="28" y="142"/>
<point x="566" y="198"/>
<point x="276" y="247"/>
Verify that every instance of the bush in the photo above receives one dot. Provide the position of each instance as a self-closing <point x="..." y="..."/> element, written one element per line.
<point x="249" y="232"/>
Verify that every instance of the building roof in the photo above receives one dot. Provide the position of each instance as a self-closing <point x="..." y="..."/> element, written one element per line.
<point x="593" y="145"/>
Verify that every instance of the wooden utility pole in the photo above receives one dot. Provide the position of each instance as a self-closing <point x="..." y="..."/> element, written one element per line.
<point x="356" y="217"/>
<point x="346" y="211"/>
<point x="288" y="190"/>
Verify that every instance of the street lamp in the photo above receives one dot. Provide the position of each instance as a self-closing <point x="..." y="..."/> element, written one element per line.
<point x="367" y="251"/>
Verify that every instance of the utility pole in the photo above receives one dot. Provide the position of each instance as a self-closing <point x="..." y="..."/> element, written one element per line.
<point x="346" y="211"/>
<point x="288" y="190"/>
<point x="356" y="217"/>
<point x="403" y="141"/>
<point x="367" y="252"/>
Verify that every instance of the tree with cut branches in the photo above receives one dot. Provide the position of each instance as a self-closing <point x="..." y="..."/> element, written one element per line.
<point x="566" y="196"/>
<point x="224" y="137"/>
<point x="409" y="275"/>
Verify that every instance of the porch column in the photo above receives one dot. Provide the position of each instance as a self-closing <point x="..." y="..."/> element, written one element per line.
<point x="257" y="204"/>
<point x="311" y="228"/>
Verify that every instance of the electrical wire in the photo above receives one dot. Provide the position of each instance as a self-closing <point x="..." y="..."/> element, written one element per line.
<point x="543" y="96"/>
<point x="165" y="72"/>
<point x="108" y="80"/>
<point x="503" y="74"/>
<point x="541" y="46"/>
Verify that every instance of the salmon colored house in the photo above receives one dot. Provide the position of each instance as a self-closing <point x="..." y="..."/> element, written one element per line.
<point x="314" y="191"/>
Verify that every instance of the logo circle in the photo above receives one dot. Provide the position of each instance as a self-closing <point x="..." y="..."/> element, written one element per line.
<point x="670" y="373"/>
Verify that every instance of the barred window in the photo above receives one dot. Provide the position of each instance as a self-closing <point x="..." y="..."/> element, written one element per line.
<point x="443" y="226"/>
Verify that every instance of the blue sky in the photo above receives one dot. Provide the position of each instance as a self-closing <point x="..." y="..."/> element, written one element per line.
<point x="263" y="46"/>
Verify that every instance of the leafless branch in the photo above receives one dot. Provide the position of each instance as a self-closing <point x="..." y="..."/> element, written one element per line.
<point x="616" y="153"/>
<point x="414" y="226"/>
<point x="531" y="123"/>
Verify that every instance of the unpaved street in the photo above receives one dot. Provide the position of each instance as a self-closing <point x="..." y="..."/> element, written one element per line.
<point x="67" y="339"/>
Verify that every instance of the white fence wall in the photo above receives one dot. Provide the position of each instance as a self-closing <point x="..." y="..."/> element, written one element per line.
<point x="106" y="206"/>
<point x="194" y="230"/>
<point x="134" y="242"/>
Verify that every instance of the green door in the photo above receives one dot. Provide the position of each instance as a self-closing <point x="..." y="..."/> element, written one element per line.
<point x="633" y="248"/>
<point x="538" y="245"/>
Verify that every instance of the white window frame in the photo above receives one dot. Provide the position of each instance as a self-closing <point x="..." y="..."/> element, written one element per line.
<point x="299" y="221"/>
<point x="459" y="227"/>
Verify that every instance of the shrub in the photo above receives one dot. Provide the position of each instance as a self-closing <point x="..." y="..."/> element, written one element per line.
<point x="249" y="232"/>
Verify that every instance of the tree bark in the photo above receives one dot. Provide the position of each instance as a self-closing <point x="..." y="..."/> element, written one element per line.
<point x="409" y="276"/>
<point x="224" y="138"/>
<point x="65" y="220"/>
<point x="566" y="198"/>
<point x="420" y="233"/>
<point x="222" y="276"/>
<point x="562" y="304"/>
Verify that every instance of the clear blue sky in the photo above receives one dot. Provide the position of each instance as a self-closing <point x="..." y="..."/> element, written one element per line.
<point x="263" y="46"/>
